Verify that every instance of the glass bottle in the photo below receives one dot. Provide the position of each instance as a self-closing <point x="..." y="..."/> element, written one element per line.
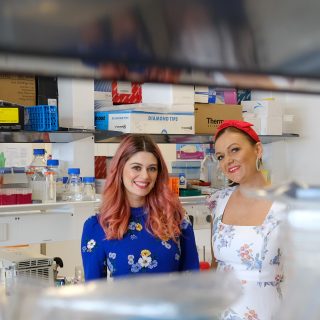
<point x="37" y="169"/>
<point x="73" y="190"/>
<point x="89" y="191"/>
<point x="53" y="165"/>
<point x="50" y="187"/>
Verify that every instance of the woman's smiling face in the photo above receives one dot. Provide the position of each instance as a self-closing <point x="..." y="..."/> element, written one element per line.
<point x="237" y="156"/>
<point x="139" y="176"/>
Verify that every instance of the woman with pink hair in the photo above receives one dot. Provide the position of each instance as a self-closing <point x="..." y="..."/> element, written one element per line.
<point x="141" y="227"/>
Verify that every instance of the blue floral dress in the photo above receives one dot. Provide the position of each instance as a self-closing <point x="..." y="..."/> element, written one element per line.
<point x="138" y="252"/>
<point x="253" y="254"/>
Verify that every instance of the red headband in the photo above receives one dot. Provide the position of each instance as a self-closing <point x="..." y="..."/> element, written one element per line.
<point x="241" y="125"/>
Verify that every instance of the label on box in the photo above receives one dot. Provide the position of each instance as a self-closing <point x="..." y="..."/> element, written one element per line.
<point x="144" y="122"/>
<point x="124" y="87"/>
<point x="9" y="115"/>
<point x="127" y="94"/>
<point x="209" y="116"/>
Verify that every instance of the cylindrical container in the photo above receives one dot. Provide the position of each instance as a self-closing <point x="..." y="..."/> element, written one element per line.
<point x="37" y="183"/>
<point x="88" y="192"/>
<point x="73" y="190"/>
<point x="53" y="165"/>
<point x="50" y="187"/>
<point x="174" y="184"/>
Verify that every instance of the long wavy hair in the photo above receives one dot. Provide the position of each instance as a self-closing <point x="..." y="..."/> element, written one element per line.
<point x="163" y="208"/>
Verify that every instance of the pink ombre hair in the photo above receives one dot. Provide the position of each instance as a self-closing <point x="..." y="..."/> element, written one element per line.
<point x="164" y="211"/>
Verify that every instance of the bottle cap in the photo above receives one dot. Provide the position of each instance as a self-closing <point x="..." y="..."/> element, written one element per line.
<point x="88" y="179"/>
<point x="38" y="152"/>
<point x="74" y="171"/>
<point x="53" y="162"/>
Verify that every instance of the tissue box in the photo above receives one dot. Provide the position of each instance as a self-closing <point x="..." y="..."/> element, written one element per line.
<point x="167" y="94"/>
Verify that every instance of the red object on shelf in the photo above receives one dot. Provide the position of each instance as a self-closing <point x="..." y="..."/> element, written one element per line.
<point x="100" y="167"/>
<point x="24" y="198"/>
<point x="9" y="199"/>
<point x="126" y="93"/>
<point x="204" y="265"/>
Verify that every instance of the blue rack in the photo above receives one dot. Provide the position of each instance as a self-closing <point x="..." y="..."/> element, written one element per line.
<point x="41" y="118"/>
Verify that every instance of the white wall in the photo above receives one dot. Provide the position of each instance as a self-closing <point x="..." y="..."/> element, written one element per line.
<point x="303" y="154"/>
<point x="297" y="159"/>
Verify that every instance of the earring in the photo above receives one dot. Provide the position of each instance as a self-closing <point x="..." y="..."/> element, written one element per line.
<point x="259" y="164"/>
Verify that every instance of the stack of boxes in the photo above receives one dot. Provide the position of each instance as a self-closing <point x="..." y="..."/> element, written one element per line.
<point x="265" y="115"/>
<point x="148" y="108"/>
<point x="213" y="105"/>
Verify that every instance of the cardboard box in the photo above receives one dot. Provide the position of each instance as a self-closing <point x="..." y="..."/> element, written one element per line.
<point x="133" y="121"/>
<point x="168" y="94"/>
<point x="209" y="116"/>
<point x="126" y="92"/>
<point x="18" y="89"/>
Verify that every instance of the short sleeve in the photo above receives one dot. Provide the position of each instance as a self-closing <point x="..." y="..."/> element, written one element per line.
<point x="189" y="259"/>
<point x="92" y="250"/>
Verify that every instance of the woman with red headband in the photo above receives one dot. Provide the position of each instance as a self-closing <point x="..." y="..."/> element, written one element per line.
<point x="245" y="230"/>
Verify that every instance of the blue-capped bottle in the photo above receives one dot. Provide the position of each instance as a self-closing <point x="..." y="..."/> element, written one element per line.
<point x="37" y="169"/>
<point x="89" y="190"/>
<point x="73" y="190"/>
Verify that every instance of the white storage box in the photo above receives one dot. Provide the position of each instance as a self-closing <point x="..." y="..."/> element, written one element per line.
<point x="271" y="125"/>
<point x="133" y="121"/>
<point x="266" y="108"/>
<point x="168" y="94"/>
<point x="252" y="118"/>
<point x="289" y="124"/>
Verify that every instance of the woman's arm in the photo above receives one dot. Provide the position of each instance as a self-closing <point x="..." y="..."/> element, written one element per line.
<point x="189" y="259"/>
<point x="92" y="251"/>
<point x="213" y="260"/>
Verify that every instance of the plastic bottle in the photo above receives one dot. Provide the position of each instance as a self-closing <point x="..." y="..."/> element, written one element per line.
<point x="219" y="180"/>
<point x="89" y="191"/>
<point x="53" y="165"/>
<point x="37" y="169"/>
<point x="73" y="190"/>
<point x="206" y="170"/>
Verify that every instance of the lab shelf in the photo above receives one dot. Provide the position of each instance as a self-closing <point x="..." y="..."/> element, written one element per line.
<point x="102" y="137"/>
<point x="61" y="136"/>
<point x="44" y="207"/>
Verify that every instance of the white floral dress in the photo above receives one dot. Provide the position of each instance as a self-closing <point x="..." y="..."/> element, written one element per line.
<point x="253" y="254"/>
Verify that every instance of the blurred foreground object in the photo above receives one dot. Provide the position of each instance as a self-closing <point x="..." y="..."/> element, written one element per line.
<point x="300" y="238"/>
<point x="199" y="296"/>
